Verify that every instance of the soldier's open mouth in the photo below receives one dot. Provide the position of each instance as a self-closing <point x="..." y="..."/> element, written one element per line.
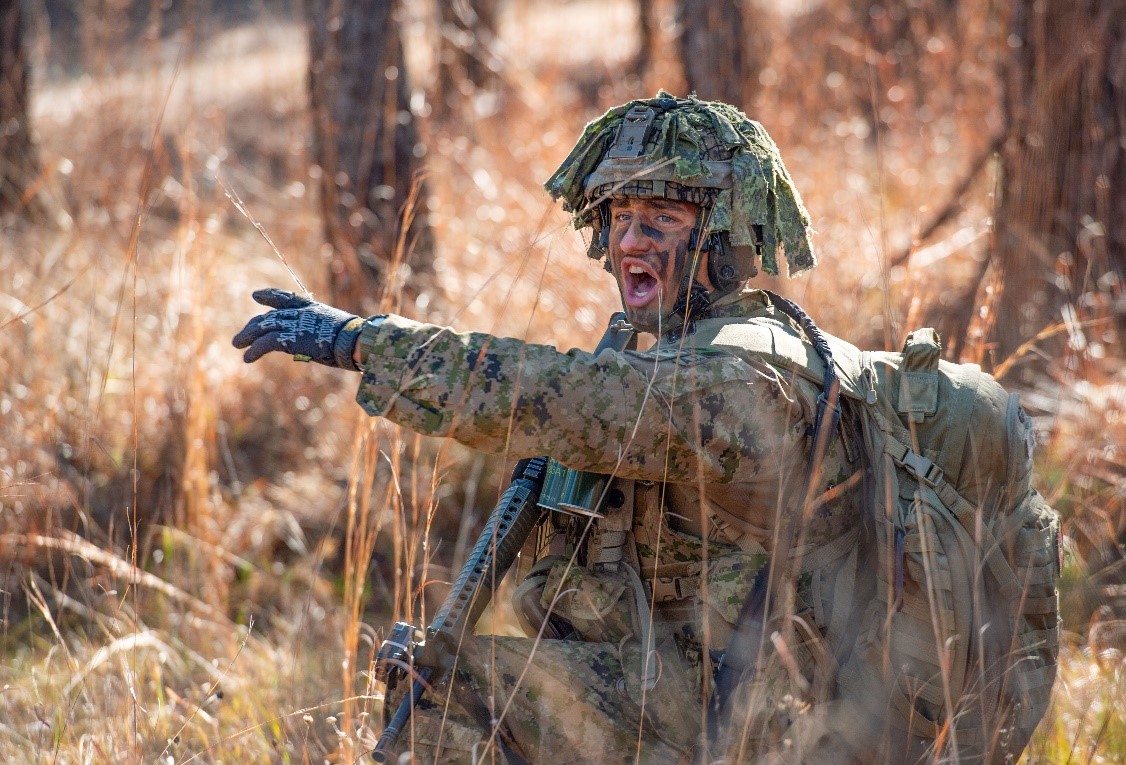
<point x="639" y="282"/>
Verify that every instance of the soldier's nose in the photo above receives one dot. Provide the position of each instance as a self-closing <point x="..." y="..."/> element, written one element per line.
<point x="634" y="240"/>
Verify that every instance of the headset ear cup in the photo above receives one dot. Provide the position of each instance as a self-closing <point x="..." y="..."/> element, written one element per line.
<point x="599" y="244"/>
<point x="729" y="266"/>
<point x="721" y="272"/>
<point x="747" y="257"/>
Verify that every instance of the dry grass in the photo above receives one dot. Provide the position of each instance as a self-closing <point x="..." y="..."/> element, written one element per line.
<point x="187" y="539"/>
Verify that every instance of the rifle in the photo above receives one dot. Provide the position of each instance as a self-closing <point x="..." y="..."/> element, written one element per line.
<point x="513" y="520"/>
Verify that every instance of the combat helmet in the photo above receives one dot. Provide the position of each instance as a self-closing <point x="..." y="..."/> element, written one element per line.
<point x="705" y="152"/>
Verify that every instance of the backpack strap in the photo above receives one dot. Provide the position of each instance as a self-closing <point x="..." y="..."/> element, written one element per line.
<point x="929" y="473"/>
<point x="741" y="655"/>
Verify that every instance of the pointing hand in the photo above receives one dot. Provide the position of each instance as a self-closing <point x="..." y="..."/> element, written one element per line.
<point x="304" y="328"/>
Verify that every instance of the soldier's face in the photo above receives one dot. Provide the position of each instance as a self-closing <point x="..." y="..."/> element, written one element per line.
<point x="649" y="256"/>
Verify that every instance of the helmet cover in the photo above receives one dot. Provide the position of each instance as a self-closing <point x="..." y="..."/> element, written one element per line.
<point x="705" y="152"/>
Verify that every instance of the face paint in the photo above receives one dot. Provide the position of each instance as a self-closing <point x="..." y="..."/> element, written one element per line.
<point x="655" y="234"/>
<point x="649" y="256"/>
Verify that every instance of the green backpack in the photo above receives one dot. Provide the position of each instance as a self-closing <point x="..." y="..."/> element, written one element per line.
<point x="957" y="653"/>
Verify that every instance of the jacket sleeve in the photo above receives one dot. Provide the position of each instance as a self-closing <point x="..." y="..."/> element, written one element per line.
<point x="668" y="416"/>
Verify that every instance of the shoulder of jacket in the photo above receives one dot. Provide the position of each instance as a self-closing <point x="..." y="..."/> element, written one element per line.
<point x="759" y="338"/>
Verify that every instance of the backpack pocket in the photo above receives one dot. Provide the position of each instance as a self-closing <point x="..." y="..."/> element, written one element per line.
<point x="930" y="630"/>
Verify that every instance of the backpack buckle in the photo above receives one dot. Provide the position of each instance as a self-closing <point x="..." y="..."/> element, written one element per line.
<point x="922" y="468"/>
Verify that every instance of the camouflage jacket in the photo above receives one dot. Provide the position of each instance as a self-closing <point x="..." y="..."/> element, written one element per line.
<point x="714" y="424"/>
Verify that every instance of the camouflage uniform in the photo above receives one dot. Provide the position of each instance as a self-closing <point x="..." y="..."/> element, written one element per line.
<point x="711" y="440"/>
<point x="706" y="437"/>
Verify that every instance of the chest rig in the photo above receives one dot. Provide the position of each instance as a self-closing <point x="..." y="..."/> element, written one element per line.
<point x="602" y="511"/>
<point x="627" y="571"/>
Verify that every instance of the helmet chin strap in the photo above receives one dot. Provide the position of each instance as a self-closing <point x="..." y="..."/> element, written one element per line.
<point x="693" y="298"/>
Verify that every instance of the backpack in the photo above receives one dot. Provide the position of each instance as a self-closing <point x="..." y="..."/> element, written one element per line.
<point x="957" y="653"/>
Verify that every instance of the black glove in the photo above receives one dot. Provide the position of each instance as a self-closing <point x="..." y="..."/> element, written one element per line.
<point x="308" y="330"/>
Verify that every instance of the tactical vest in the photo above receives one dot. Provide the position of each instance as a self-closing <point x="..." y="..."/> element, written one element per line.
<point x="636" y="541"/>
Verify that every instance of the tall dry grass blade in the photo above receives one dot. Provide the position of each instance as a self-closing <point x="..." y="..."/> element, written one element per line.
<point x="46" y="301"/>
<point x="143" y="203"/>
<point x="236" y="200"/>
<point x="12" y="544"/>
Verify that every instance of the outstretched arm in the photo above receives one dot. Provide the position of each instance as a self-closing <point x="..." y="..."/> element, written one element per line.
<point x="666" y="416"/>
<point x="654" y="416"/>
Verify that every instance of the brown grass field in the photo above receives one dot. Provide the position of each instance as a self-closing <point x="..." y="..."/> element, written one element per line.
<point x="199" y="557"/>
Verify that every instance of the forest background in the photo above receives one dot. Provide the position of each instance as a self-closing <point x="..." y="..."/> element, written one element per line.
<point x="198" y="557"/>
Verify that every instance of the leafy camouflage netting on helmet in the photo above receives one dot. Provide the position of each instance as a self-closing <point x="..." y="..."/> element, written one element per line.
<point x="698" y="151"/>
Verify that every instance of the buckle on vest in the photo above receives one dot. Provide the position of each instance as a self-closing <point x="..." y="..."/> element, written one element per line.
<point x="677" y="587"/>
<point x="922" y="468"/>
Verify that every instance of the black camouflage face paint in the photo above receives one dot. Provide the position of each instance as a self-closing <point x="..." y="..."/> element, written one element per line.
<point x="655" y="234"/>
<point x="681" y="259"/>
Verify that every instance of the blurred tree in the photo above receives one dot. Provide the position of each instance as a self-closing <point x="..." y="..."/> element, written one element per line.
<point x="20" y="171"/>
<point x="645" y="37"/>
<point x="366" y="144"/>
<point x="1059" y="234"/>
<point x="466" y="63"/>
<point x="720" y="54"/>
<point x="913" y="58"/>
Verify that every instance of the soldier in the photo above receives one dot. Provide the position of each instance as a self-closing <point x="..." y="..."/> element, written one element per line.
<point x="716" y="460"/>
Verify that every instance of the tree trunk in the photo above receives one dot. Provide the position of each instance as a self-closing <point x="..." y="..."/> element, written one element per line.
<point x="721" y="60"/>
<point x="711" y="48"/>
<point x="468" y="30"/>
<point x="20" y="172"/>
<point x="366" y="143"/>
<point x="1059" y="234"/>
<point x="644" y="37"/>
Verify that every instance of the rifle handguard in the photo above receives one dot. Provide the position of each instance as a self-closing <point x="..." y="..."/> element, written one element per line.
<point x="515" y="518"/>
<point x="510" y="525"/>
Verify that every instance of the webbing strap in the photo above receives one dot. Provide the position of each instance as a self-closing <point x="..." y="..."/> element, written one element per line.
<point x="928" y="691"/>
<point x="929" y="473"/>
<point x="1035" y="640"/>
<point x="611" y="546"/>
<point x="815" y="557"/>
<point x="1048" y="605"/>
<point x="1031" y="679"/>
<point x="1034" y="540"/>
<point x="922" y="649"/>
